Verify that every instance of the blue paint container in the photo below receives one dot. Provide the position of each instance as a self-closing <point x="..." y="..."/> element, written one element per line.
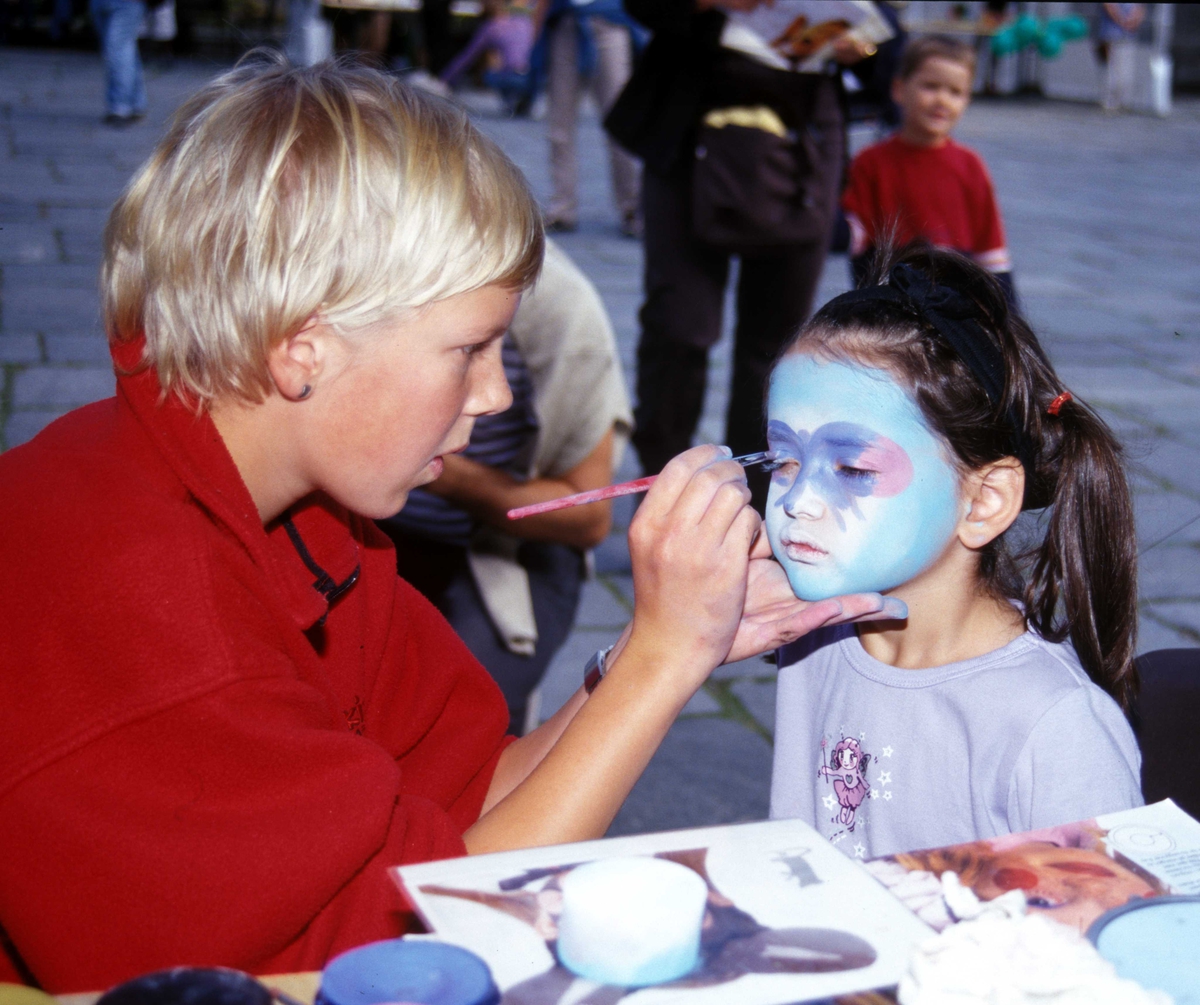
<point x="1154" y="942"/>
<point x="189" y="986"/>
<point x="412" y="973"/>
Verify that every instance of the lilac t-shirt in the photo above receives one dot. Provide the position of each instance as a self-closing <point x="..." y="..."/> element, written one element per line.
<point x="882" y="760"/>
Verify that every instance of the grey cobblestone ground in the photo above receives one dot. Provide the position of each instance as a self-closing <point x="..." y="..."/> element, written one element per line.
<point x="1102" y="222"/>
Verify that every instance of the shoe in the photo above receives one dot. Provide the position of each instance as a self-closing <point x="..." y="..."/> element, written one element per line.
<point x="557" y="226"/>
<point x="122" y="121"/>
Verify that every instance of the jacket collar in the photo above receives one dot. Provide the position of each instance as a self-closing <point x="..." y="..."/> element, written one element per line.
<point x="309" y="556"/>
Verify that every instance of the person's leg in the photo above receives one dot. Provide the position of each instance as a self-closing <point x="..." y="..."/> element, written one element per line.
<point x="614" y="64"/>
<point x="126" y="89"/>
<point x="562" y="110"/>
<point x="435" y="25"/>
<point x="680" y="320"/>
<point x="774" y="297"/>
<point x="1123" y="68"/>
<point x="100" y="11"/>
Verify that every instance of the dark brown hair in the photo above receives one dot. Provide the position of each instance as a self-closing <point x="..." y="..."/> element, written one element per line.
<point x="1077" y="577"/>
<point x="924" y="47"/>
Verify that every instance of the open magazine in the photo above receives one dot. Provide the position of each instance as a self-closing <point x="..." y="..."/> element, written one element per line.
<point x="799" y="35"/>
<point x="1072" y="873"/>
<point x="788" y="917"/>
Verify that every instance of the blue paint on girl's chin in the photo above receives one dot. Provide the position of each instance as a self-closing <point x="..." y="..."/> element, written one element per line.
<point x="865" y="498"/>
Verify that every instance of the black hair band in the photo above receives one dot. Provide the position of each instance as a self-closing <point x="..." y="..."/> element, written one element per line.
<point x="956" y="319"/>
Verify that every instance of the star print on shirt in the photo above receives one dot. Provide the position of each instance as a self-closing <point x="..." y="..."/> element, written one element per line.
<point x="887" y="751"/>
<point x="859" y="850"/>
<point x="885" y="778"/>
<point x="888" y="794"/>
<point x="874" y="793"/>
<point x="830" y="801"/>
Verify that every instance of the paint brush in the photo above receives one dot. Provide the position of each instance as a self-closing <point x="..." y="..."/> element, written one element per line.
<point x="613" y="491"/>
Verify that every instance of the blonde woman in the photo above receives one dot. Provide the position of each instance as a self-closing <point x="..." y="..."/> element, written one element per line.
<point x="223" y="715"/>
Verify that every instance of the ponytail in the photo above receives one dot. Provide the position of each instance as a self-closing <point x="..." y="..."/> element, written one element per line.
<point x="1083" y="575"/>
<point x="990" y="392"/>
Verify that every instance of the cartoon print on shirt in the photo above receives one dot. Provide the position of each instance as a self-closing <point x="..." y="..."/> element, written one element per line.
<point x="847" y="768"/>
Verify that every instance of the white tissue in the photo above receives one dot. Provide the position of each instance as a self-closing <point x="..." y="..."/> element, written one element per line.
<point x="1026" y="959"/>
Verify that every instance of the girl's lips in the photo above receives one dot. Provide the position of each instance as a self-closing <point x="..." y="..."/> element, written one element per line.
<point x="803" y="551"/>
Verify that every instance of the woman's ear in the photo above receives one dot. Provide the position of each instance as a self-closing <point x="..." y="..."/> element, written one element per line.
<point x="994" y="495"/>
<point x="297" y="363"/>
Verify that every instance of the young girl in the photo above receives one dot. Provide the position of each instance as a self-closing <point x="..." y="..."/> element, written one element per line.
<point x="914" y="421"/>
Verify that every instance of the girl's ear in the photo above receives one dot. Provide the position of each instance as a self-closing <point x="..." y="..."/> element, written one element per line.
<point x="994" y="495"/>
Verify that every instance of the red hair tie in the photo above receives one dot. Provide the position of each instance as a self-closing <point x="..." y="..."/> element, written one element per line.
<point x="1057" y="403"/>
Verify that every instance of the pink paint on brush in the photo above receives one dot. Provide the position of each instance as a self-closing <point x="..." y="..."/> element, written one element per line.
<point x="583" y="498"/>
<point x="613" y="491"/>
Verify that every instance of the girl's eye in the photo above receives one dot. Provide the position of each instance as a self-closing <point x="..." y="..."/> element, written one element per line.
<point x="786" y="467"/>
<point x="475" y="348"/>
<point x="855" y="474"/>
<point x="1039" y="902"/>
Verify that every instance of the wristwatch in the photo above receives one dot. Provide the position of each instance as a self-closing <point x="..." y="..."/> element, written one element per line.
<point x="595" y="669"/>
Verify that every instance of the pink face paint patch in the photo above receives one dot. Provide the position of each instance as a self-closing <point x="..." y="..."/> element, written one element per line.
<point x="891" y="461"/>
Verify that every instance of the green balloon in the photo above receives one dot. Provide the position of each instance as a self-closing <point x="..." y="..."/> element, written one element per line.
<point x="1049" y="43"/>
<point x="1071" y="28"/>
<point x="1004" y="42"/>
<point x="1027" y="29"/>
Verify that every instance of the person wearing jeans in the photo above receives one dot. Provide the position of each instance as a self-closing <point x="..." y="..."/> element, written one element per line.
<point x="117" y="24"/>
<point x="590" y="48"/>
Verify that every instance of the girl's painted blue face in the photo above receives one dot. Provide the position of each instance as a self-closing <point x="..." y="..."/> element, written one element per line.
<point x="865" y="497"/>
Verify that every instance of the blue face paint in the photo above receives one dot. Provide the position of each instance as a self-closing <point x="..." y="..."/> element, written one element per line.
<point x="864" y="498"/>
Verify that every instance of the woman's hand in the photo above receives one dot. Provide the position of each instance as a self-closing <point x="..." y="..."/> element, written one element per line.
<point x="772" y="615"/>
<point x="690" y="546"/>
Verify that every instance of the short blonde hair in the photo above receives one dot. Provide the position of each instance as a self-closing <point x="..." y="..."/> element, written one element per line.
<point x="283" y="193"/>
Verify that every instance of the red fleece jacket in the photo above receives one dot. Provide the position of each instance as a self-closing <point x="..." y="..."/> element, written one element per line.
<point x="204" y="760"/>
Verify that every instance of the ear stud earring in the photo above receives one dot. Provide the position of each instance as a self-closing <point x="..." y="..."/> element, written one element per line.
<point x="305" y="391"/>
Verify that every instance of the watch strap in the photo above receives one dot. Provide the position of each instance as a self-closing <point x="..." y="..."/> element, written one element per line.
<point x="595" y="669"/>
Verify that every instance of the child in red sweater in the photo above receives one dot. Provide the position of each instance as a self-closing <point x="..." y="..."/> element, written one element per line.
<point x="919" y="183"/>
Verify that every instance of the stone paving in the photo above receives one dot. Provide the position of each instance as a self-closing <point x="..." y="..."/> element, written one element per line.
<point x="1101" y="213"/>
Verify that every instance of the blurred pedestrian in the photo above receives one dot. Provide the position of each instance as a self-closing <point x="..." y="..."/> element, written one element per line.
<point x="589" y="49"/>
<point x="779" y="131"/>
<point x="1116" y="46"/>
<point x="160" y="30"/>
<point x="919" y="183"/>
<point x="118" y="24"/>
<point x="510" y="589"/>
<point x="506" y="39"/>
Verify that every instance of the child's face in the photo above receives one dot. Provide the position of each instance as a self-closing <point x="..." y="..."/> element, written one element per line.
<point x="933" y="99"/>
<point x="865" y="498"/>
<point x="400" y="397"/>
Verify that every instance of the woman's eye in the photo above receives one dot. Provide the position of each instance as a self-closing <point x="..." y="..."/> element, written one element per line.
<point x="1039" y="902"/>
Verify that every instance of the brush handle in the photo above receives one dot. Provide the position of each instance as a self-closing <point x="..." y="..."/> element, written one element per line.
<point x="613" y="491"/>
<point x="583" y="498"/>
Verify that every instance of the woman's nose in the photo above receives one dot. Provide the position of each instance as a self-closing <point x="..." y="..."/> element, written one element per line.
<point x="802" y="502"/>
